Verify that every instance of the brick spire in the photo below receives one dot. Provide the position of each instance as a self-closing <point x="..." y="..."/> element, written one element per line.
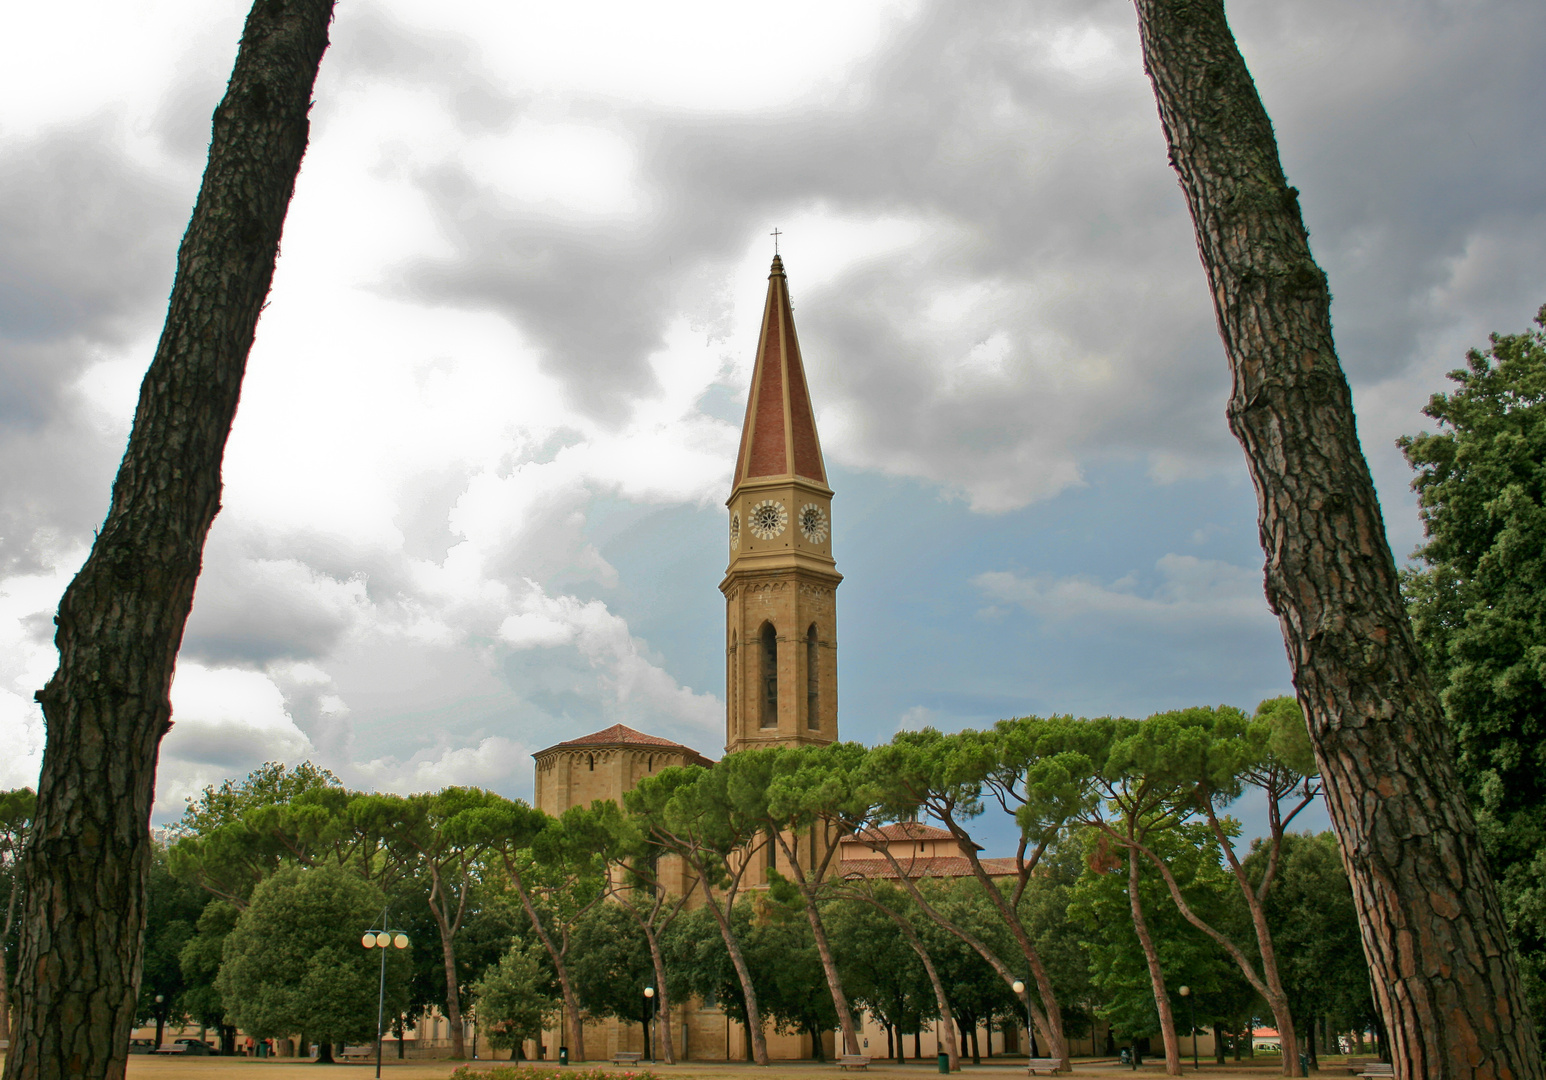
<point x="779" y="435"/>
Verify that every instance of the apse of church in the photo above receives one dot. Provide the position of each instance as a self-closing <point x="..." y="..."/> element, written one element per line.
<point x="781" y="584"/>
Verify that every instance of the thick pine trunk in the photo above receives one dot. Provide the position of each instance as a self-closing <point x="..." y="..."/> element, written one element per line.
<point x="1445" y="975"/>
<point x="121" y="620"/>
<point x="1156" y="976"/>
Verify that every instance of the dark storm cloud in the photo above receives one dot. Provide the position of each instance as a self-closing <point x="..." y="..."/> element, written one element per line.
<point x="1024" y="141"/>
<point x="1415" y="134"/>
<point x="87" y="244"/>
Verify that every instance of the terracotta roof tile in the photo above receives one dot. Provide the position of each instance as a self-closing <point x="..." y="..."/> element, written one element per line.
<point x="903" y="830"/>
<point x="773" y="444"/>
<point x="622" y="735"/>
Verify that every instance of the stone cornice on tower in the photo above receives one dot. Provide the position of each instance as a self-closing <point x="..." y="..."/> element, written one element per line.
<point x="778" y="438"/>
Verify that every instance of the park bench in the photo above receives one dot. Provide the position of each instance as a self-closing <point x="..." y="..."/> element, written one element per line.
<point x="625" y="1057"/>
<point x="1046" y="1065"/>
<point x="173" y="1048"/>
<point x="1378" y="1068"/>
<point x="853" y="1061"/>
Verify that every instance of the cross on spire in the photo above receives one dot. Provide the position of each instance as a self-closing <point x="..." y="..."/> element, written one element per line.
<point x="775" y="234"/>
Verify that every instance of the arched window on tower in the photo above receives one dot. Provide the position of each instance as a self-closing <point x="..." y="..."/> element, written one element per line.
<point x="812" y="680"/>
<point x="769" y="676"/>
<point x="735" y="685"/>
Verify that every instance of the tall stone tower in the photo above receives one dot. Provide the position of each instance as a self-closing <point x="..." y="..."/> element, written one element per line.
<point x="780" y="587"/>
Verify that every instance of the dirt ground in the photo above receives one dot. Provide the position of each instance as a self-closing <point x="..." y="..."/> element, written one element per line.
<point x="148" y="1067"/>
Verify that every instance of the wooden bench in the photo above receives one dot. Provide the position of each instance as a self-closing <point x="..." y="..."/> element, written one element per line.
<point x="1036" y="1065"/>
<point x="173" y="1048"/>
<point x="853" y="1061"/>
<point x="625" y="1057"/>
<point x="1378" y="1068"/>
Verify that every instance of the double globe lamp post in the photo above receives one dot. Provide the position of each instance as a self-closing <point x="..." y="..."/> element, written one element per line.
<point x="382" y="939"/>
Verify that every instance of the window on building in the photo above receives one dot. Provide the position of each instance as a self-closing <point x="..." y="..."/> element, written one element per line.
<point x="812" y="680"/>
<point x="734" y="705"/>
<point x="769" y="676"/>
<point x="592" y="759"/>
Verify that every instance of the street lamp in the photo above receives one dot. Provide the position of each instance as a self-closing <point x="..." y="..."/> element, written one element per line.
<point x="1186" y="992"/>
<point x="649" y="1018"/>
<point x="1030" y="1025"/>
<point x="382" y="939"/>
<point x="160" y="1019"/>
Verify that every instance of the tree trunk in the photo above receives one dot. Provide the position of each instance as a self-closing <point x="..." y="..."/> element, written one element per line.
<point x="1156" y="977"/>
<point x="1052" y="1021"/>
<point x="448" y="925"/>
<point x="759" y="1044"/>
<point x="121" y="620"/>
<point x="845" y="1017"/>
<point x="807" y="889"/>
<point x="566" y="987"/>
<point x="453" y="1001"/>
<point x="1059" y="1044"/>
<point x="325" y="1052"/>
<point x="1445" y="975"/>
<point x="661" y="995"/>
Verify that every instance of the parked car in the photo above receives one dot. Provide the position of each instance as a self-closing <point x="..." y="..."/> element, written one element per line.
<point x="194" y="1046"/>
<point x="142" y="1046"/>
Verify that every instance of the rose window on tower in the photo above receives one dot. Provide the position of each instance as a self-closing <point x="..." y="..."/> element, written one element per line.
<point x="768" y="519"/>
<point x="813" y="523"/>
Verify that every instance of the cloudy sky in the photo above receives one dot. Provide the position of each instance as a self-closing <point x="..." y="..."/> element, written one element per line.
<point x="474" y="494"/>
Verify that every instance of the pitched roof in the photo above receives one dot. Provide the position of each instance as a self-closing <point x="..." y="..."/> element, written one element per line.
<point x="622" y="735"/>
<point x="902" y="830"/>
<point x="778" y="437"/>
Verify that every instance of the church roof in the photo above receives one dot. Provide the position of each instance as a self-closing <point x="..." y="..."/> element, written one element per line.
<point x="622" y="735"/>
<point x="902" y="830"/>
<point x="778" y="437"/>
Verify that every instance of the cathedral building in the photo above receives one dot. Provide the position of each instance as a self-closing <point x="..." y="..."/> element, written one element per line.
<point x="780" y="588"/>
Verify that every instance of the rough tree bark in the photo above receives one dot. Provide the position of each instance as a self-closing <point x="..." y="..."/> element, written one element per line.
<point x="121" y="620"/>
<point x="1445" y="975"/>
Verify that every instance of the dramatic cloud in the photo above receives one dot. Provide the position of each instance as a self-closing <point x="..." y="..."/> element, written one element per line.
<point x="472" y="497"/>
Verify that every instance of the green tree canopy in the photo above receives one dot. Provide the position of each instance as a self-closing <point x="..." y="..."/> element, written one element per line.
<point x="1478" y="606"/>
<point x="294" y="961"/>
<point x="516" y="997"/>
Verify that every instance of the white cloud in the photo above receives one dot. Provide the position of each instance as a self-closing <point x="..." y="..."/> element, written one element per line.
<point x="225" y="722"/>
<point x="495" y="762"/>
<point x="1189" y="590"/>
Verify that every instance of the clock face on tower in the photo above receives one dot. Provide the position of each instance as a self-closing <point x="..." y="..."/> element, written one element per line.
<point x="768" y="519"/>
<point x="813" y="523"/>
<point x="735" y="531"/>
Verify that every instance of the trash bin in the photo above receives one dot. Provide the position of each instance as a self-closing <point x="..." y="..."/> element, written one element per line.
<point x="944" y="1062"/>
<point x="563" y="1055"/>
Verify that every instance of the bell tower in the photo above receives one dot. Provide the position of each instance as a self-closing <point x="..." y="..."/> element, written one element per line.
<point x="780" y="587"/>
